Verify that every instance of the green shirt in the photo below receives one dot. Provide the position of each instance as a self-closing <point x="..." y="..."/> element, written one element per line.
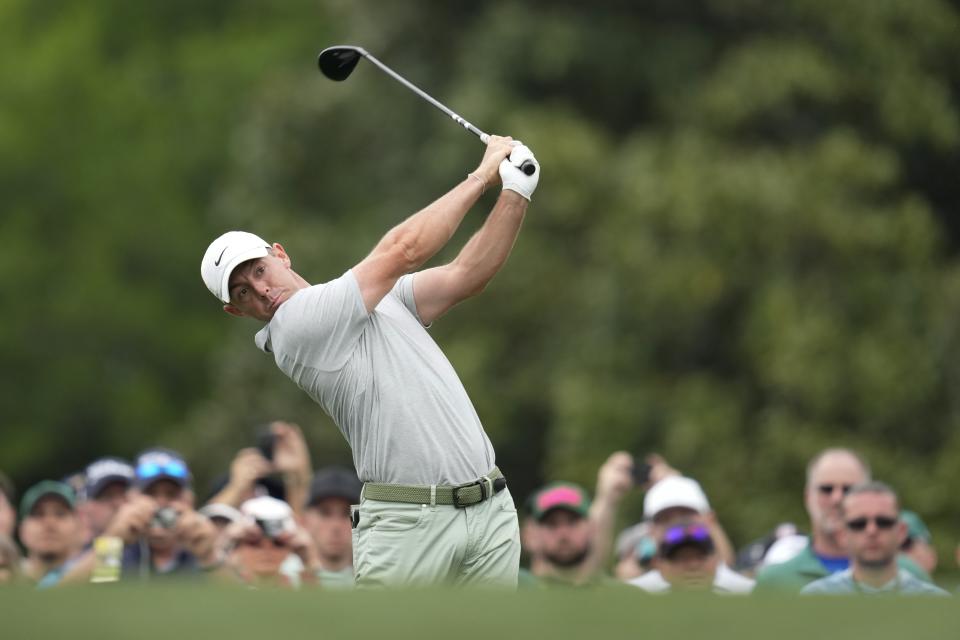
<point x="791" y="576"/>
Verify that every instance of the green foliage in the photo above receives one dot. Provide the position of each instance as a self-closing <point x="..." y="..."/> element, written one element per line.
<point x="742" y="249"/>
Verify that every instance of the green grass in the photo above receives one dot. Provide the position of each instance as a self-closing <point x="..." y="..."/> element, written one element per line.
<point x="175" y="612"/>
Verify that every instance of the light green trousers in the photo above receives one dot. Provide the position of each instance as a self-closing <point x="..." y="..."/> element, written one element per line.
<point x="397" y="544"/>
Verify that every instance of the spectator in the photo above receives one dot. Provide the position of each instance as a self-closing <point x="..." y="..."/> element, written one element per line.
<point x="918" y="545"/>
<point x="222" y="516"/>
<point x="250" y="470"/>
<point x="327" y="519"/>
<point x="568" y="537"/>
<point x="686" y="533"/>
<point x="264" y="540"/>
<point x="687" y="560"/>
<point x="830" y="475"/>
<point x="50" y="532"/>
<point x="107" y="482"/>
<point x="9" y="560"/>
<point x="162" y="533"/>
<point x="872" y="538"/>
<point x="677" y="498"/>
<point x="8" y="497"/>
<point x="753" y="555"/>
<point x="635" y="548"/>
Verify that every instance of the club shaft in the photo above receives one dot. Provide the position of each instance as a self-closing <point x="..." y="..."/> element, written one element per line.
<point x="396" y="76"/>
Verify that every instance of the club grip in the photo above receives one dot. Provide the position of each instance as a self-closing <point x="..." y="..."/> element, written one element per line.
<point x="528" y="167"/>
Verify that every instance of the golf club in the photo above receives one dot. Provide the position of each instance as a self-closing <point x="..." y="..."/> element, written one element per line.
<point x="337" y="63"/>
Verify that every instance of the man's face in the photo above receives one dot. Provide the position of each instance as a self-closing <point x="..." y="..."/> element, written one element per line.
<point x="328" y="523"/>
<point x="564" y="538"/>
<point x="260" y="555"/>
<point x="101" y="509"/>
<point x="167" y="493"/>
<point x="689" y="568"/>
<point x="874" y="531"/>
<point x="51" y="529"/>
<point x="829" y="482"/>
<point x="258" y="287"/>
<point x="8" y="517"/>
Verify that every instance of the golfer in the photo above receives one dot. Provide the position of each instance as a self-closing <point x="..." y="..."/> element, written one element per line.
<point x="434" y="506"/>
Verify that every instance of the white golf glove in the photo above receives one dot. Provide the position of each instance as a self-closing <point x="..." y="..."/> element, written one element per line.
<point x="513" y="177"/>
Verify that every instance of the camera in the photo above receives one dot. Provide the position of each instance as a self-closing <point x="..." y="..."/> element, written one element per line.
<point x="165" y="518"/>
<point x="272" y="528"/>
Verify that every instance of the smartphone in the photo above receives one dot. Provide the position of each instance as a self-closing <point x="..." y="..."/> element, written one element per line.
<point x="641" y="472"/>
<point x="266" y="439"/>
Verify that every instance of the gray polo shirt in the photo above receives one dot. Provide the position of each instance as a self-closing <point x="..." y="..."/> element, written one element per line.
<point x="384" y="382"/>
<point x="843" y="582"/>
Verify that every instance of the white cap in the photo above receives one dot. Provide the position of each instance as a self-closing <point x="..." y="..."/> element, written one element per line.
<point x="224" y="255"/>
<point x="267" y="508"/>
<point x="220" y="510"/>
<point x="675" y="491"/>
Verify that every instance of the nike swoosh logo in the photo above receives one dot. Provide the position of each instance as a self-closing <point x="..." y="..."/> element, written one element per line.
<point x="216" y="262"/>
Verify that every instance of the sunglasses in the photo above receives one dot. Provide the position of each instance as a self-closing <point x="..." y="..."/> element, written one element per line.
<point x="686" y="533"/>
<point x="882" y="522"/>
<point x="828" y="489"/>
<point x="173" y="469"/>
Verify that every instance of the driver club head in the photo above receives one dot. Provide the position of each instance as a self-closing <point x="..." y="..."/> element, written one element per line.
<point x="337" y="63"/>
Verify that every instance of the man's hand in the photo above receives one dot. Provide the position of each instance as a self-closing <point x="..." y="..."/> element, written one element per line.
<point x="659" y="469"/>
<point x="498" y="148"/>
<point x="290" y="453"/>
<point x="198" y="535"/>
<point x="291" y="457"/>
<point x="514" y="178"/>
<point x="300" y="542"/>
<point x="615" y="477"/>
<point x="247" y="467"/>
<point x="132" y="519"/>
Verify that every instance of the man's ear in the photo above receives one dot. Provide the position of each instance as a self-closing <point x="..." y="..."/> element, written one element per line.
<point x="232" y="310"/>
<point x="902" y="533"/>
<point x="281" y="253"/>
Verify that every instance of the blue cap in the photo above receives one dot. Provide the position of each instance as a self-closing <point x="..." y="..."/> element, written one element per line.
<point x="161" y="464"/>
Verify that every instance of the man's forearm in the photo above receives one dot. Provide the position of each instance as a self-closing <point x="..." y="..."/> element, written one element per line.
<point x="488" y="249"/>
<point x="424" y="233"/>
<point x="603" y="513"/>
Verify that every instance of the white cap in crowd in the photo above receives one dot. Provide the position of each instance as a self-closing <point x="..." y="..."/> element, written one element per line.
<point x="672" y="492"/>
<point x="224" y="255"/>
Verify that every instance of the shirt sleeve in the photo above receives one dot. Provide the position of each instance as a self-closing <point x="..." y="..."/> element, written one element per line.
<point x="324" y="325"/>
<point x="404" y="292"/>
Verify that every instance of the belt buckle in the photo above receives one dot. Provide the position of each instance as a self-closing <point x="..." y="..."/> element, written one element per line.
<point x="456" y="495"/>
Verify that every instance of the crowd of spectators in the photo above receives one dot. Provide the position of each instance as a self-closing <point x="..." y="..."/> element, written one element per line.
<point x="271" y="522"/>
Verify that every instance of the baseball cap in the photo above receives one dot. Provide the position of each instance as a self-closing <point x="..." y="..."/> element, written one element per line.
<point x="916" y="529"/>
<point x="686" y="535"/>
<point x="45" y="488"/>
<point x="271" y="515"/>
<point x="104" y="471"/>
<point x="559" y="495"/>
<point x="674" y="491"/>
<point x="335" y="482"/>
<point x="220" y="510"/>
<point x="161" y="464"/>
<point x="224" y="255"/>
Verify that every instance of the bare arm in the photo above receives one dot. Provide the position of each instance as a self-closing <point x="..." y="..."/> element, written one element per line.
<point x="411" y="243"/>
<point x="613" y="482"/>
<point x="437" y="290"/>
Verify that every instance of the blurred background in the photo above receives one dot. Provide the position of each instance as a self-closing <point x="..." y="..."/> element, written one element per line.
<point x="743" y="248"/>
